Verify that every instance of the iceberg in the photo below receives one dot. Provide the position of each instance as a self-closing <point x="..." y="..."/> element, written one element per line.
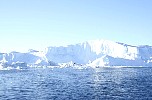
<point x="90" y="53"/>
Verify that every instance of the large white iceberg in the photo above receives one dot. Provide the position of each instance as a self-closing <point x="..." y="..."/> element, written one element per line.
<point x="92" y="53"/>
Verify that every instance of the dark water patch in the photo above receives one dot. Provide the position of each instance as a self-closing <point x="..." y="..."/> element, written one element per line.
<point x="73" y="84"/>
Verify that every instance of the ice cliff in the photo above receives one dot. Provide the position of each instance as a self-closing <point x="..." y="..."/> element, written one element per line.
<point x="91" y="53"/>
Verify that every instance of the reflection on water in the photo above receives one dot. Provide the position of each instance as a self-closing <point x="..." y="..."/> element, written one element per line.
<point x="68" y="83"/>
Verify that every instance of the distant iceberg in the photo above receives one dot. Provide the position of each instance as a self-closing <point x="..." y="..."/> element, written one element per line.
<point x="90" y="53"/>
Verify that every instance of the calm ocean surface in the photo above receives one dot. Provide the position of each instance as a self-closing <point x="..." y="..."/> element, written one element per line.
<point x="76" y="84"/>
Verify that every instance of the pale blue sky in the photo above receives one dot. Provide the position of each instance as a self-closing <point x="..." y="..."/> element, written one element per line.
<point x="37" y="24"/>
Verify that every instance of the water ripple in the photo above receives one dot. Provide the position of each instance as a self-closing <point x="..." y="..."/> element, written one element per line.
<point x="73" y="84"/>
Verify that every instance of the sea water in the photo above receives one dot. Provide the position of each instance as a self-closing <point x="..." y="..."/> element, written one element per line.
<point x="76" y="84"/>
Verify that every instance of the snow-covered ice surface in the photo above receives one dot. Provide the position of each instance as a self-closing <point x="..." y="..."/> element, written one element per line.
<point x="96" y="53"/>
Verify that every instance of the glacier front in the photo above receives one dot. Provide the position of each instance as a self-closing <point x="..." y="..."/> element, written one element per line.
<point x="90" y="53"/>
